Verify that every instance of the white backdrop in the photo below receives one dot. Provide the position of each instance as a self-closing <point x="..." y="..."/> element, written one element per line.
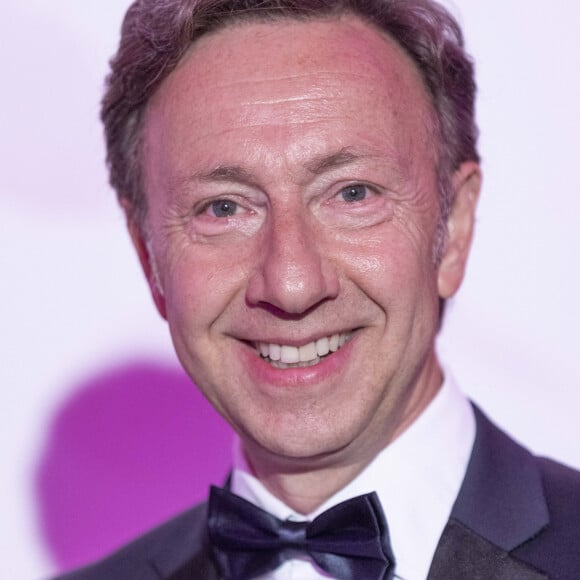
<point x="71" y="293"/>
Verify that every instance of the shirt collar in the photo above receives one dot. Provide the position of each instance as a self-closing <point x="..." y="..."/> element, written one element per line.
<point x="417" y="478"/>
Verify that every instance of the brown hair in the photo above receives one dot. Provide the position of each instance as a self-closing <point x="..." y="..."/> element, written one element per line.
<point x="156" y="34"/>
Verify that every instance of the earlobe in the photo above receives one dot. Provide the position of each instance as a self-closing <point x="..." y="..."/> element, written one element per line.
<point x="147" y="264"/>
<point x="460" y="226"/>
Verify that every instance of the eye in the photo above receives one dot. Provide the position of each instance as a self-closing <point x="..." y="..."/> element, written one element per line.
<point x="222" y="208"/>
<point x="354" y="193"/>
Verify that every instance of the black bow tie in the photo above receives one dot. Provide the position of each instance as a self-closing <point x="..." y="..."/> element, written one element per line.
<point x="349" y="541"/>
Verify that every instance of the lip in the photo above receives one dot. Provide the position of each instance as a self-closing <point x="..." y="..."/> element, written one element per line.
<point x="263" y="374"/>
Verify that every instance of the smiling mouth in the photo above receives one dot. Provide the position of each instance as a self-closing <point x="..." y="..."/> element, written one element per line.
<point x="282" y="356"/>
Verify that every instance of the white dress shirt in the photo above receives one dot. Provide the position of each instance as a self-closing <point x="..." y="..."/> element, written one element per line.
<point x="417" y="478"/>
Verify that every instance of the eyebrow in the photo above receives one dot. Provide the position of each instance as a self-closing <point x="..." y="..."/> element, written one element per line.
<point x="323" y="163"/>
<point x="227" y="173"/>
<point x="317" y="166"/>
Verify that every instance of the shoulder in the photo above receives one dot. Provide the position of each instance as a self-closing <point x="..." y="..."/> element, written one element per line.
<point x="562" y="484"/>
<point x="562" y="491"/>
<point x="557" y="546"/>
<point x="166" y="547"/>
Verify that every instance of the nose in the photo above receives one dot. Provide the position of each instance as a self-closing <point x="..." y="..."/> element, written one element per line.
<point x="292" y="274"/>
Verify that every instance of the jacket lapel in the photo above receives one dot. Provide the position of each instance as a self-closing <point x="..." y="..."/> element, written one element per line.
<point x="500" y="506"/>
<point x="185" y="554"/>
<point x="464" y="555"/>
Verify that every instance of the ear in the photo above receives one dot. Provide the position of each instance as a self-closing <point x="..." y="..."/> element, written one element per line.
<point x="144" y="252"/>
<point x="466" y="183"/>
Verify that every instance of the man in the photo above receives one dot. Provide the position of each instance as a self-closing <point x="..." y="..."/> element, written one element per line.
<point x="300" y="181"/>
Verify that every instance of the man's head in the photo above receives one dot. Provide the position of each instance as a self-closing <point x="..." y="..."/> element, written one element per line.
<point x="297" y="171"/>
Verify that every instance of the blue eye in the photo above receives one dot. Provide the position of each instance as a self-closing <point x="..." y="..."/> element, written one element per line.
<point x="223" y="208"/>
<point x="354" y="193"/>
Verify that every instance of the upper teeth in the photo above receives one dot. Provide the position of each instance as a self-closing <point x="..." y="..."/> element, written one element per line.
<point x="305" y="353"/>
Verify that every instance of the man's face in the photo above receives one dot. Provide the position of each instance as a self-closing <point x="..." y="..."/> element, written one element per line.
<point x="290" y="174"/>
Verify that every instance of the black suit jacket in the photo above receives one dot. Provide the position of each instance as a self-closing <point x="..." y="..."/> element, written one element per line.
<point x="517" y="517"/>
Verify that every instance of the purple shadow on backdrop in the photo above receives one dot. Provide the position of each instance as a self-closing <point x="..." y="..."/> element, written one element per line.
<point x="130" y="448"/>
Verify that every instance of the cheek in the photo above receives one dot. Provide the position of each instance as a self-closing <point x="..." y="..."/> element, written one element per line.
<point x="376" y="258"/>
<point x="393" y="270"/>
<point x="201" y="281"/>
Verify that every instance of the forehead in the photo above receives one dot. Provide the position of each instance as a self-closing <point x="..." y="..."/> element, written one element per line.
<point x="284" y="42"/>
<point x="264" y="76"/>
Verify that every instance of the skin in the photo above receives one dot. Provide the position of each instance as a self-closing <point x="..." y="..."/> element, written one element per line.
<point x="252" y="147"/>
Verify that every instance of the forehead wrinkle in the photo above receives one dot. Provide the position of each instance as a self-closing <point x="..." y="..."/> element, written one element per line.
<point x="282" y="100"/>
<point x="289" y="90"/>
<point x="330" y="77"/>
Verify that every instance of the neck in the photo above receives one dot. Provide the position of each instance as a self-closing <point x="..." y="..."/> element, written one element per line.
<point x="305" y="490"/>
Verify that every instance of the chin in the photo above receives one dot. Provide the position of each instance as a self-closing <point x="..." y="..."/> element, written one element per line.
<point x="298" y="441"/>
